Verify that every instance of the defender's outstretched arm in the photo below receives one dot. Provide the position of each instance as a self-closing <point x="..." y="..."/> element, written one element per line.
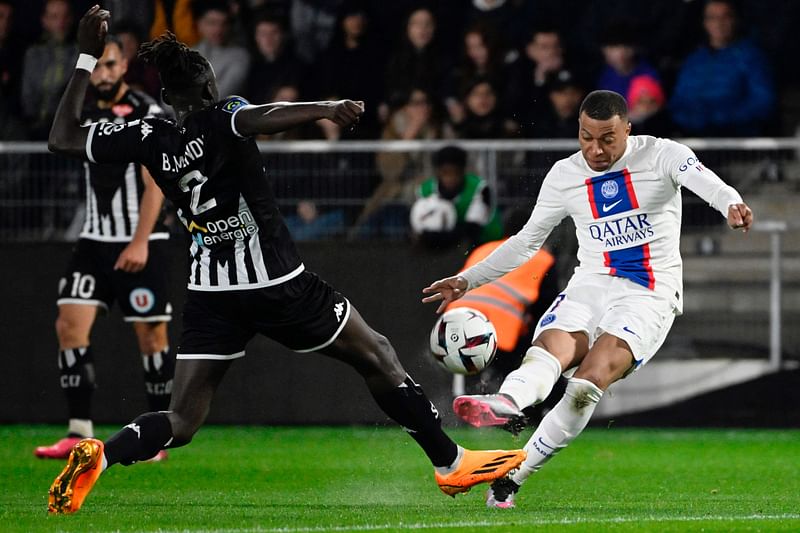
<point x="280" y="116"/>
<point x="66" y="134"/>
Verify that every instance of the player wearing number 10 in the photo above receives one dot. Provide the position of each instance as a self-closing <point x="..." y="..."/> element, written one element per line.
<point x="245" y="275"/>
<point x="120" y="256"/>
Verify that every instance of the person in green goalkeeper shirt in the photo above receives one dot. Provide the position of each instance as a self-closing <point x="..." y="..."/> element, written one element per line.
<point x="454" y="206"/>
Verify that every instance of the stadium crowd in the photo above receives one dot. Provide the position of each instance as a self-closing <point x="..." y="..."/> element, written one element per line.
<point x="467" y="69"/>
<point x="444" y="69"/>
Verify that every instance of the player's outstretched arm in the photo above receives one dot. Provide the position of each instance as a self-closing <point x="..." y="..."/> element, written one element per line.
<point x="66" y="134"/>
<point x="280" y="116"/>
<point x="740" y="216"/>
<point x="445" y="290"/>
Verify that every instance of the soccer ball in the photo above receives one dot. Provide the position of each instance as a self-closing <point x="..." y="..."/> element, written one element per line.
<point x="432" y="214"/>
<point x="463" y="341"/>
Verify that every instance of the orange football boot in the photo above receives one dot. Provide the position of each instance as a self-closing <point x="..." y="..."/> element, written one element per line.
<point x="74" y="483"/>
<point x="479" y="466"/>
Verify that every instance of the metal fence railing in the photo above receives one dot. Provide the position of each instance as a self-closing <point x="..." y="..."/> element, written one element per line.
<point x="331" y="183"/>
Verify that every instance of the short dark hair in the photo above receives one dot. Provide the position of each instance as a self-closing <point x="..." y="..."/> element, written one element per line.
<point x="450" y="155"/>
<point x="270" y="17"/>
<point x="129" y="26"/>
<point x="542" y="27"/>
<point x="201" y="7"/>
<point x="113" y="38"/>
<point x="603" y="105"/>
<point x="734" y="5"/>
<point x="179" y="66"/>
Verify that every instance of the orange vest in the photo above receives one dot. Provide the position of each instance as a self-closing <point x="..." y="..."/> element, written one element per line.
<point x="504" y="300"/>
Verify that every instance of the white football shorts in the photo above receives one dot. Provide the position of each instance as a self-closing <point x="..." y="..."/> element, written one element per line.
<point x="600" y="303"/>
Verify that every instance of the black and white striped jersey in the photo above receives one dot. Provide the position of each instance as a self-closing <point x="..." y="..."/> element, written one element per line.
<point x="217" y="180"/>
<point x="114" y="190"/>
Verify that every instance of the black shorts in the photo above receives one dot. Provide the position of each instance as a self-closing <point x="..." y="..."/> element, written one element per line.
<point x="304" y="314"/>
<point x="90" y="279"/>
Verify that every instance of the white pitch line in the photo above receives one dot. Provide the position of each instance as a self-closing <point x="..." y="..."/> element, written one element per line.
<point x="492" y="523"/>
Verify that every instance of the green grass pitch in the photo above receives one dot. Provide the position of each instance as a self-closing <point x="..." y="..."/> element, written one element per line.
<point x="312" y="479"/>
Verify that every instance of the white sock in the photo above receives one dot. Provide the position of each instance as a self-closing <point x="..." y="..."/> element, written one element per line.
<point x="560" y="426"/>
<point x="534" y="379"/>
<point x="81" y="427"/>
<point x="104" y="464"/>
<point x="443" y="470"/>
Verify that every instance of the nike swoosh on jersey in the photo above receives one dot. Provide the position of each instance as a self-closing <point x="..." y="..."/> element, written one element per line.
<point x="607" y="208"/>
<point x="625" y="328"/>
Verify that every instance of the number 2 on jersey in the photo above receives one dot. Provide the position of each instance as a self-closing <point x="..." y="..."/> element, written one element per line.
<point x="194" y="204"/>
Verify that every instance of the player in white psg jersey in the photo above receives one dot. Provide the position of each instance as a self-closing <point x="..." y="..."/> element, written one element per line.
<point x="623" y="193"/>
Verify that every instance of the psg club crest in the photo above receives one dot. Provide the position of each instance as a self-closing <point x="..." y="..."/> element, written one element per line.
<point x="609" y="189"/>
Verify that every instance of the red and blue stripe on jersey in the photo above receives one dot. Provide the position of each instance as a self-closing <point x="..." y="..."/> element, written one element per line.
<point x="632" y="263"/>
<point x="613" y="194"/>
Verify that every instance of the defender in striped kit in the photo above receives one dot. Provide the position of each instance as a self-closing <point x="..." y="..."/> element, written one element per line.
<point x="246" y="276"/>
<point x="120" y="257"/>
<point x="624" y="194"/>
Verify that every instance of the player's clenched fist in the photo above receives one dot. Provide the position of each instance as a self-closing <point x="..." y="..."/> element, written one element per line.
<point x="740" y="217"/>
<point x="92" y="31"/>
<point x="345" y="112"/>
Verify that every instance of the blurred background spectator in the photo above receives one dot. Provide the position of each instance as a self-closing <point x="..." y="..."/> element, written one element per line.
<point x="454" y="206"/>
<point x="647" y="109"/>
<point x="307" y="223"/>
<point x="313" y="24"/>
<point x="483" y="116"/>
<point x="622" y="56"/>
<point x="416" y="61"/>
<point x="10" y="74"/>
<point x="725" y="87"/>
<point x="230" y="62"/>
<point x="482" y="56"/>
<point x="706" y="57"/>
<point x="509" y="18"/>
<point x="419" y="118"/>
<point x="564" y="94"/>
<point x="139" y="75"/>
<point x="527" y="101"/>
<point x="347" y="68"/>
<point x="47" y="67"/>
<point x="274" y="61"/>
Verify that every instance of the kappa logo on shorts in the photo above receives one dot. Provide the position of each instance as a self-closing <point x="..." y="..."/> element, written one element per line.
<point x="547" y="319"/>
<point x="338" y="309"/>
<point x="135" y="427"/>
<point x="142" y="300"/>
